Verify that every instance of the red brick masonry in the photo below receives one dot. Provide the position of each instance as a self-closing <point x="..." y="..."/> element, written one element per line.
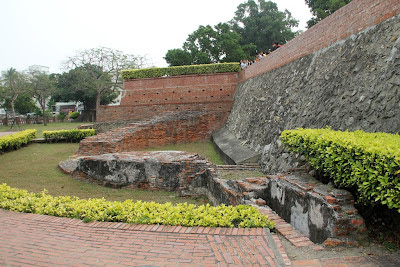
<point x="29" y="239"/>
<point x="145" y="98"/>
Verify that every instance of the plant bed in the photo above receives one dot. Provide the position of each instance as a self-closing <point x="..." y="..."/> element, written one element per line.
<point x="131" y="212"/>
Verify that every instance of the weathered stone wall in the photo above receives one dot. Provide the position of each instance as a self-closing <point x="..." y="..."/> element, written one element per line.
<point x="145" y="98"/>
<point x="352" y="84"/>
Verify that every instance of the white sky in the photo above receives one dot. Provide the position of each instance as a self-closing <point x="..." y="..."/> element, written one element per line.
<point x="46" y="32"/>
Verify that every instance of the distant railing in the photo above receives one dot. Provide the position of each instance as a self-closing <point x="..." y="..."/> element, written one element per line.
<point x="28" y="120"/>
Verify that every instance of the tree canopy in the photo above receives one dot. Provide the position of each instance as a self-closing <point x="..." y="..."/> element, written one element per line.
<point x="261" y="23"/>
<point x="255" y="26"/>
<point x="79" y="85"/>
<point x="104" y="66"/>
<point x="323" y="8"/>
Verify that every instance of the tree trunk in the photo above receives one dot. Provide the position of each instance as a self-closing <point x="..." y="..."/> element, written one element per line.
<point x="43" y="105"/>
<point x="98" y="98"/>
<point x="13" y="111"/>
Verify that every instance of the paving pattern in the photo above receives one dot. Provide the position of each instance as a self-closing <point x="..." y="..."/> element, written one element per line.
<point x="38" y="240"/>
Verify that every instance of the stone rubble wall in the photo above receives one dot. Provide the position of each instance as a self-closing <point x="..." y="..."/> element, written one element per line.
<point x="320" y="212"/>
<point x="353" y="84"/>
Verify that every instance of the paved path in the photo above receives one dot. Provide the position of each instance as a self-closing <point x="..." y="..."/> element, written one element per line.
<point x="6" y="133"/>
<point x="28" y="239"/>
<point x="39" y="240"/>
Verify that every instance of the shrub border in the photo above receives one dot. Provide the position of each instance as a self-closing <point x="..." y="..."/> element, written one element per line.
<point x="15" y="141"/>
<point x="367" y="162"/>
<point x="74" y="135"/>
<point x="180" y="70"/>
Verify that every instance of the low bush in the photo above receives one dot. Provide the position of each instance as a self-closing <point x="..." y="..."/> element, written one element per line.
<point x="15" y="141"/>
<point x="74" y="115"/>
<point x="74" y="135"/>
<point x="131" y="212"/>
<point x="61" y="116"/>
<point x="180" y="70"/>
<point x="368" y="163"/>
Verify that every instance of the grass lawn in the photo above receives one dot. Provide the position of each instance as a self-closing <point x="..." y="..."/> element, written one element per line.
<point x="40" y="127"/>
<point x="204" y="149"/>
<point x="35" y="168"/>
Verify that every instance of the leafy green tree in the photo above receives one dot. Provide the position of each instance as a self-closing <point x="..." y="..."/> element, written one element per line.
<point x="23" y="103"/>
<point x="323" y="8"/>
<point x="215" y="44"/>
<point x="79" y="85"/>
<point x="210" y="44"/>
<point x="14" y="84"/>
<point x="178" y="57"/>
<point x="42" y="87"/>
<point x="110" y="62"/>
<point x="261" y="23"/>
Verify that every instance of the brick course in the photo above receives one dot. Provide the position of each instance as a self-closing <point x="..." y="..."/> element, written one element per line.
<point x="352" y="18"/>
<point x="145" y="98"/>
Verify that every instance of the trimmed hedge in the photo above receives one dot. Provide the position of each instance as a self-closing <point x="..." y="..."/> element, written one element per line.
<point x="180" y="70"/>
<point x="74" y="135"/>
<point x="15" y="141"/>
<point x="367" y="162"/>
<point x="131" y="212"/>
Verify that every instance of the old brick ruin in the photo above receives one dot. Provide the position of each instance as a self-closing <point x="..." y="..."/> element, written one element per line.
<point x="343" y="72"/>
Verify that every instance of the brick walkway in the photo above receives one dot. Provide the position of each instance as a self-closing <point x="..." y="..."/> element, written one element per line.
<point x="28" y="239"/>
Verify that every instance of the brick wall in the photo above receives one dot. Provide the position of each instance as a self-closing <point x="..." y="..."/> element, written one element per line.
<point x="352" y="18"/>
<point x="145" y="98"/>
<point x="172" y="128"/>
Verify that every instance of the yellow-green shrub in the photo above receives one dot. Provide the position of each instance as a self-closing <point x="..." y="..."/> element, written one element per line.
<point x="367" y="162"/>
<point x="131" y="212"/>
<point x="15" y="141"/>
<point x="74" y="135"/>
<point x="180" y="70"/>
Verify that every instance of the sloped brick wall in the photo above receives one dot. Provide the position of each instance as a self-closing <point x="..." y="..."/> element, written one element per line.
<point x="145" y="98"/>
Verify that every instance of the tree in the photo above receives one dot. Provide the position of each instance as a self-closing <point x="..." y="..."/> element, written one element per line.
<point x="178" y="57"/>
<point x="14" y="84"/>
<point x="80" y="86"/>
<point x="110" y="62"/>
<point x="42" y="87"/>
<point x="23" y="104"/>
<point x="323" y="8"/>
<point x="261" y="23"/>
<point x="210" y="44"/>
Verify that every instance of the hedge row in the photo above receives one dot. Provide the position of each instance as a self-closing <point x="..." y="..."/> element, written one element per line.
<point x="131" y="212"/>
<point x="180" y="70"/>
<point x="15" y="141"/>
<point x="367" y="162"/>
<point x="74" y="135"/>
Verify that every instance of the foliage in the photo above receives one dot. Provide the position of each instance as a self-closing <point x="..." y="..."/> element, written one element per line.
<point x="74" y="115"/>
<point x="15" y="141"/>
<point x="255" y="26"/>
<point x="79" y="85"/>
<point x="180" y="70"/>
<point x="216" y="44"/>
<point x="23" y="103"/>
<point x="261" y="23"/>
<point x="178" y="57"/>
<point x="104" y="66"/>
<point x="367" y="162"/>
<point x="74" y="135"/>
<point x="15" y="83"/>
<point x="61" y="116"/>
<point x="131" y="212"/>
<point x="323" y="8"/>
<point x="42" y="87"/>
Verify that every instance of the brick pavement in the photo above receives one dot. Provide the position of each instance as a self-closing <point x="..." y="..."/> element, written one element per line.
<point x="29" y="239"/>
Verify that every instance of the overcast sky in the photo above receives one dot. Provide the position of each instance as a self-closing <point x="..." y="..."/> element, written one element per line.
<point x="47" y="32"/>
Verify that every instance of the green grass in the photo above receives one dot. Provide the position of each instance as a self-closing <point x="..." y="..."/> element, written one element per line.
<point x="52" y="126"/>
<point x="204" y="149"/>
<point x="35" y="168"/>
